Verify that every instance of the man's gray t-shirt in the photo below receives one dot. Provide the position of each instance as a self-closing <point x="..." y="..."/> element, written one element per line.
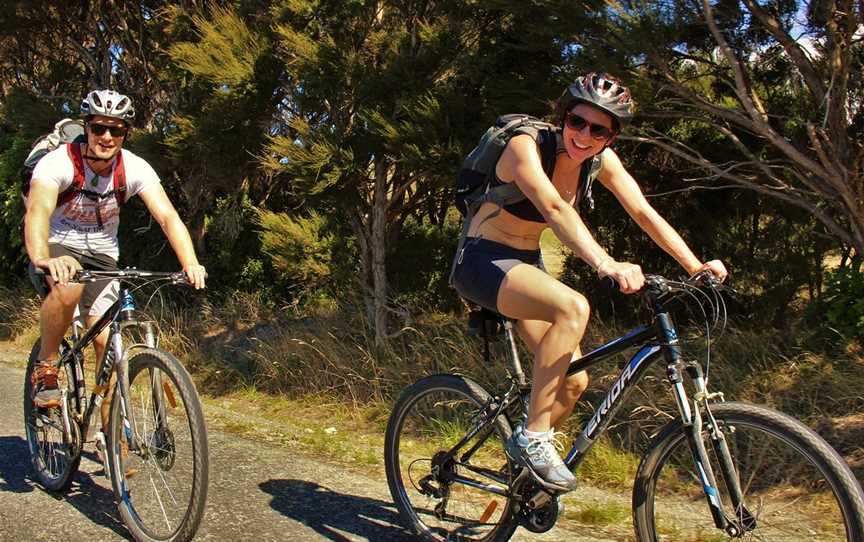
<point x="74" y="224"/>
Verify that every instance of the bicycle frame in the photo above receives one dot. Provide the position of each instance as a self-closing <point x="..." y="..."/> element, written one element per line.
<point x="656" y="340"/>
<point x="113" y="359"/>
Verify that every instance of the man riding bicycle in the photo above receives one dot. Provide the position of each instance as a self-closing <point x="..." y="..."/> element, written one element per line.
<point x="500" y="266"/>
<point x="69" y="226"/>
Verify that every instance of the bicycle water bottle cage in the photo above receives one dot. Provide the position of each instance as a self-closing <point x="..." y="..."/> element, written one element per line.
<point x="485" y="324"/>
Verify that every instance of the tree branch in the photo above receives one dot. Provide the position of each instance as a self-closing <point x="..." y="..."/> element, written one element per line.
<point x="795" y="52"/>
<point x="745" y="93"/>
<point x="817" y="212"/>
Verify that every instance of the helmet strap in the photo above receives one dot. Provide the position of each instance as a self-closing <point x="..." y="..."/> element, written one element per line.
<point x="91" y="158"/>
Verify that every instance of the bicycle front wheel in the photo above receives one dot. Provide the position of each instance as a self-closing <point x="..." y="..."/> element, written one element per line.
<point x="160" y="481"/>
<point x="55" y="453"/>
<point x="442" y="493"/>
<point x="795" y="487"/>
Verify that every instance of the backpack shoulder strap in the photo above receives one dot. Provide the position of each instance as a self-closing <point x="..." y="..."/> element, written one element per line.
<point x="120" y="179"/>
<point x="74" y="151"/>
<point x="589" y="172"/>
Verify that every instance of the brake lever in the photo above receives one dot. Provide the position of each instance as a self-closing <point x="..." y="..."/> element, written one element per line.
<point x="83" y="275"/>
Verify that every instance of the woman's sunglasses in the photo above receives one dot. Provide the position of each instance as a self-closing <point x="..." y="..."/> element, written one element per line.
<point x="598" y="131"/>
<point x="99" y="130"/>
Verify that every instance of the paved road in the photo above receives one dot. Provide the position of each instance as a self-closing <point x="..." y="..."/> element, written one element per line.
<point x="257" y="492"/>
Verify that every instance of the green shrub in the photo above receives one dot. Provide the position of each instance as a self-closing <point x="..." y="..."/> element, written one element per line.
<point x="843" y="302"/>
<point x="420" y="266"/>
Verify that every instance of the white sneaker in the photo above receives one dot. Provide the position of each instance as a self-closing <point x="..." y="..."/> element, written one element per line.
<point x="540" y="456"/>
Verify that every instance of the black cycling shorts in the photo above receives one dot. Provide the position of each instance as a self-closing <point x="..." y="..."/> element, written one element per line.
<point x="481" y="268"/>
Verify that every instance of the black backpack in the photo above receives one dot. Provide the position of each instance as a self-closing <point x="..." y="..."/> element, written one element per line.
<point x="473" y="184"/>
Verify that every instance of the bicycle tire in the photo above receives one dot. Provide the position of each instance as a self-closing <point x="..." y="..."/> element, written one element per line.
<point x="794" y="484"/>
<point x="175" y="448"/>
<point x="442" y="403"/>
<point x="54" y="463"/>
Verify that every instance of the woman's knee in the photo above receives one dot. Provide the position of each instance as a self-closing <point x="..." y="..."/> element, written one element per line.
<point x="574" y="311"/>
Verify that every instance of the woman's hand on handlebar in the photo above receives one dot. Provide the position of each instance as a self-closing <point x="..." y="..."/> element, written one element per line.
<point x="627" y="275"/>
<point x="61" y="269"/>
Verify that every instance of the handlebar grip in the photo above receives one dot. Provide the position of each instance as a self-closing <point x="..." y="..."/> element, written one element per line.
<point x="609" y="285"/>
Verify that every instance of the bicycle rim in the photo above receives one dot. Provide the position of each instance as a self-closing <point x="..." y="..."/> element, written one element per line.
<point x="434" y="416"/>
<point x="54" y="454"/>
<point x="161" y="487"/>
<point x="794" y="489"/>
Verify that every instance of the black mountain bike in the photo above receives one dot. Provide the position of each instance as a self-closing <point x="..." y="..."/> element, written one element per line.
<point x="719" y="470"/>
<point x="155" y="452"/>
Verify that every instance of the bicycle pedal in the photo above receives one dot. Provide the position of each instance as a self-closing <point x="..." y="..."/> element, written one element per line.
<point x="551" y="488"/>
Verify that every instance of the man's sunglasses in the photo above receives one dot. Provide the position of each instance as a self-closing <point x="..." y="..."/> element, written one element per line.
<point x="598" y="131"/>
<point x="99" y="130"/>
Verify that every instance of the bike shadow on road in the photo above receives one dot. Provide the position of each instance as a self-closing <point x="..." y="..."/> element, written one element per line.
<point x="330" y="513"/>
<point x="95" y="502"/>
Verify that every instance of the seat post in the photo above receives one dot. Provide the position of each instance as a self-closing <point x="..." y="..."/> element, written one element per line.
<point x="513" y="354"/>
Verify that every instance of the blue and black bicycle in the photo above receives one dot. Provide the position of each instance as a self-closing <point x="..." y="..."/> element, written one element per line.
<point x="717" y="471"/>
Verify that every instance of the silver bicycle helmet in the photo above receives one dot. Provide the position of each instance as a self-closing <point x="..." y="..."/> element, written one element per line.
<point x="604" y="92"/>
<point x="108" y="103"/>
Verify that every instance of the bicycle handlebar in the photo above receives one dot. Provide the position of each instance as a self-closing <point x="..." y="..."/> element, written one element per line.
<point x="89" y="275"/>
<point x="85" y="275"/>
<point x="660" y="289"/>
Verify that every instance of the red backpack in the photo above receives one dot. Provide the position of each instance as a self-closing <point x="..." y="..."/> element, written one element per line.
<point x="77" y="186"/>
<point x="71" y="133"/>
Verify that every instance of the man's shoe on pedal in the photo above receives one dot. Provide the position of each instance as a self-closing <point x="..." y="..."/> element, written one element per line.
<point x="46" y="393"/>
<point x="536" y="451"/>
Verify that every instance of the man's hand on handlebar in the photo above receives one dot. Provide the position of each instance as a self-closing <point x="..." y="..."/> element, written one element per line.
<point x="61" y="269"/>
<point x="195" y="274"/>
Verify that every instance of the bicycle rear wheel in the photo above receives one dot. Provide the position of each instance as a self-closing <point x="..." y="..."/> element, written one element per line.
<point x="54" y="453"/>
<point x="430" y="488"/>
<point x="795" y="487"/>
<point x="161" y="487"/>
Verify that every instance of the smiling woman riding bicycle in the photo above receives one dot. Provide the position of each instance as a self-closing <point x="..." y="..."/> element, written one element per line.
<point x="499" y="267"/>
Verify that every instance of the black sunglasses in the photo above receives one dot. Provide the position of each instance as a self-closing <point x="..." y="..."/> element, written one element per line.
<point x="99" y="130"/>
<point x="598" y="131"/>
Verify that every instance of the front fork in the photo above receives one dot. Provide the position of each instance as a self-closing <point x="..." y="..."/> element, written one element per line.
<point x="122" y="393"/>
<point x="694" y="423"/>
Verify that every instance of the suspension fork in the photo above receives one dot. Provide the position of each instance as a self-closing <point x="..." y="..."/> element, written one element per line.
<point x="157" y="390"/>
<point x="122" y="392"/>
<point x="743" y="521"/>
<point x="691" y="417"/>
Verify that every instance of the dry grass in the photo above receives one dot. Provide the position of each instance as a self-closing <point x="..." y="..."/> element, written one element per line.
<point x="19" y="316"/>
<point x="323" y="353"/>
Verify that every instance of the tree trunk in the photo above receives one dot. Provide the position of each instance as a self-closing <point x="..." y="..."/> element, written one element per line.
<point x="379" y="251"/>
<point x="362" y="236"/>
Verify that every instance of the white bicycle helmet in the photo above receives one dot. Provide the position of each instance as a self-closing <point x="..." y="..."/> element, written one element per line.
<point x="108" y="103"/>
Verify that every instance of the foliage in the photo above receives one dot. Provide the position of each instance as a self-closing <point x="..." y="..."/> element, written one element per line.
<point x="771" y="90"/>
<point x="300" y="248"/>
<point x="236" y="260"/>
<point x="360" y="112"/>
<point x="420" y="267"/>
<point x="843" y="302"/>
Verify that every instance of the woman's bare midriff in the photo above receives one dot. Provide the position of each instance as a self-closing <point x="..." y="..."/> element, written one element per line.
<point x="509" y="229"/>
<point x="506" y="228"/>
